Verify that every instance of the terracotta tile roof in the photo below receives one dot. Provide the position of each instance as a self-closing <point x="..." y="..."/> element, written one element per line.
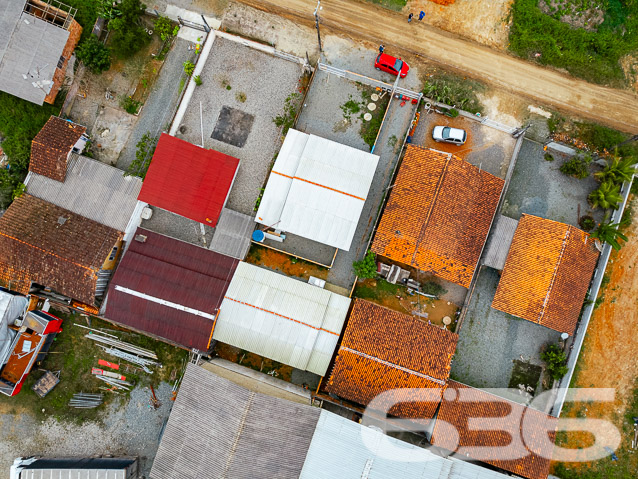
<point x="75" y="32"/>
<point x="383" y="350"/>
<point x="438" y="215"/>
<point x="36" y="247"/>
<point x="547" y="273"/>
<point x="51" y="146"/>
<point x="530" y="432"/>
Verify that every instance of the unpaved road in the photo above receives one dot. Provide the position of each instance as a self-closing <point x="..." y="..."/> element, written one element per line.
<point x="365" y="21"/>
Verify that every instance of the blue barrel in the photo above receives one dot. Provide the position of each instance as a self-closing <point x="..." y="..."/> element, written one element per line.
<point x="258" y="235"/>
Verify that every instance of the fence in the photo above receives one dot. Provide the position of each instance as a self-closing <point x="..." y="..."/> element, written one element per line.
<point x="579" y="336"/>
<point x="261" y="47"/>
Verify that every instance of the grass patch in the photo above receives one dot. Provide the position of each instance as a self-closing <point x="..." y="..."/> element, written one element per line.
<point x="396" y="5"/>
<point x="591" y="55"/>
<point x="74" y="355"/>
<point x="350" y="108"/>
<point x="370" y="129"/>
<point x="382" y="289"/>
<point x="526" y="374"/>
<point x="455" y="91"/>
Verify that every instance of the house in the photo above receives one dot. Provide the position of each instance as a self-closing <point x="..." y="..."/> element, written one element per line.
<point x="220" y="429"/>
<point x="384" y="350"/>
<point x="317" y="189"/>
<point x="35" y="467"/>
<point x="438" y="215"/>
<point x="45" y="247"/>
<point x="52" y="147"/>
<point x="488" y="428"/>
<point x="188" y="180"/>
<point x="169" y="289"/>
<point x="547" y="273"/>
<point x="37" y="39"/>
<point x="281" y="318"/>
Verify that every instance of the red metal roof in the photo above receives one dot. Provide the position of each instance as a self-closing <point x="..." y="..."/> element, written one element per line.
<point x="188" y="180"/>
<point x="167" y="269"/>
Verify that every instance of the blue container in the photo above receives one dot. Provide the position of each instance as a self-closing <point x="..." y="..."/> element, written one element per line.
<point x="258" y="235"/>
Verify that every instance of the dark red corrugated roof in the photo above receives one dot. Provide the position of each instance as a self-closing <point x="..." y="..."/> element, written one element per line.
<point x="173" y="271"/>
<point x="188" y="180"/>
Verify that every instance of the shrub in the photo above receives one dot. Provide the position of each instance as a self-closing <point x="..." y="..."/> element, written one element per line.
<point x="129" y="105"/>
<point x="367" y="267"/>
<point x="556" y="361"/>
<point x="610" y="233"/>
<point x="578" y="167"/>
<point x="607" y="195"/>
<point x="198" y="80"/>
<point x="287" y="119"/>
<point x="165" y="28"/>
<point x="433" y="288"/>
<point x="454" y="91"/>
<point x="94" y="54"/>
<point x="128" y="36"/>
<point x="587" y="223"/>
<point x="453" y="112"/>
<point x="143" y="156"/>
<point x="549" y="157"/>
<point x="189" y="67"/>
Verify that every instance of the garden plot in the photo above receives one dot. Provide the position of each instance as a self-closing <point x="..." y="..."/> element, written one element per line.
<point x="242" y="91"/>
<point x="488" y="148"/>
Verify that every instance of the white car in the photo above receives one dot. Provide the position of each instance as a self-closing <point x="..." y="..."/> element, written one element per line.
<point x="449" y="135"/>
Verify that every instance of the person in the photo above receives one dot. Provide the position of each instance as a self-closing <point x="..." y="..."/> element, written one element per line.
<point x="410" y="17"/>
<point x="381" y="48"/>
<point x="421" y="15"/>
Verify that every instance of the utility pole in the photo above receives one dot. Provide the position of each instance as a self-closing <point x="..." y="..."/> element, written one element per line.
<point x="317" y="23"/>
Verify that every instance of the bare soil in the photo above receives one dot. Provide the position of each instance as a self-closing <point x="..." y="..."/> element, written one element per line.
<point x="254" y="361"/>
<point x="285" y="264"/>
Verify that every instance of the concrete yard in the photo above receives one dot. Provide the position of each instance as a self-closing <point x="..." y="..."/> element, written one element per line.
<point x="241" y="81"/>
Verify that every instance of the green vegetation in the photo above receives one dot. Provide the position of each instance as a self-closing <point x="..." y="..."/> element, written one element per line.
<point x="129" y="105"/>
<point x="578" y="167"/>
<point x="592" y="55"/>
<point x="20" y="121"/>
<point x="367" y="267"/>
<point x="433" y="288"/>
<point x="350" y="108"/>
<point x="549" y="157"/>
<point x="198" y="80"/>
<point x="555" y="360"/>
<point x="94" y="54"/>
<point x="165" y="28"/>
<point x="607" y="195"/>
<point x="396" y="5"/>
<point x="619" y="170"/>
<point x="381" y="290"/>
<point x="241" y="97"/>
<point x="370" y="129"/>
<point x="587" y="223"/>
<point x="287" y="119"/>
<point x="454" y="91"/>
<point x="610" y="233"/>
<point x="189" y="67"/>
<point x="143" y="156"/>
<point x="127" y="33"/>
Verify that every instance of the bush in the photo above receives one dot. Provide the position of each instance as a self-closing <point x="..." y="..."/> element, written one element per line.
<point x="128" y="36"/>
<point x="433" y="288"/>
<point x="287" y="119"/>
<point x="578" y="167"/>
<point x="143" y="156"/>
<point x="549" y="157"/>
<point x="367" y="267"/>
<point x="454" y="91"/>
<point x="198" y="80"/>
<point x="165" y="28"/>
<point x="94" y="54"/>
<point x="587" y="223"/>
<point x="129" y="105"/>
<point x="556" y="361"/>
<point x="189" y="67"/>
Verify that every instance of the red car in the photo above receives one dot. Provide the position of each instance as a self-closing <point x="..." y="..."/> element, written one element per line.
<point x="392" y="65"/>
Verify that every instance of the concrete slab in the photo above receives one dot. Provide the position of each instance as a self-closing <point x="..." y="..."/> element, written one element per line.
<point x="111" y="131"/>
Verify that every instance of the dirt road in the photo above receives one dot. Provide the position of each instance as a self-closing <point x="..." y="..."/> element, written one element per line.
<point x="366" y="21"/>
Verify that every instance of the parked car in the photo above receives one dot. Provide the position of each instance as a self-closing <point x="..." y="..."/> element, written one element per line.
<point x="447" y="134"/>
<point x="392" y="65"/>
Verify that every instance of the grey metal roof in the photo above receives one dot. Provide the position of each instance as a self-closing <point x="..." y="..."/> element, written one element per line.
<point x="71" y="474"/>
<point x="10" y="11"/>
<point x="219" y="429"/>
<point x="91" y="189"/>
<point x="499" y="242"/>
<point x="34" y="50"/>
<point x="76" y="468"/>
<point x="232" y="234"/>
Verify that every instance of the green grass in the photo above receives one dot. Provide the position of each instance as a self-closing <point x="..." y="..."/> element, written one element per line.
<point x="593" y="56"/>
<point x="455" y="91"/>
<point x="383" y="289"/>
<point x="86" y="14"/>
<point x="74" y="355"/>
<point x="396" y="5"/>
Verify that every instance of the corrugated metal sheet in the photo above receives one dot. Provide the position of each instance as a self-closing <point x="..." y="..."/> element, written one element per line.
<point x="9" y="16"/>
<point x="189" y="180"/>
<point x="71" y="474"/>
<point x="500" y="241"/>
<point x="33" y="50"/>
<point x="218" y="429"/>
<point x="185" y="275"/>
<point x="281" y="318"/>
<point x="466" y="470"/>
<point x="91" y="189"/>
<point x="233" y="234"/>
<point x="317" y="189"/>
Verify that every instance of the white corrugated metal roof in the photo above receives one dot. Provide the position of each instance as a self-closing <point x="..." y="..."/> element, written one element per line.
<point x="281" y="318"/>
<point x="347" y="450"/>
<point x="91" y="189"/>
<point x="317" y="189"/>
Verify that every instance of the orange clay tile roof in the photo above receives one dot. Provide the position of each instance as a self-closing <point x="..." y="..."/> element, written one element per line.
<point x="530" y="432"/>
<point x="383" y="350"/>
<point x="438" y="215"/>
<point x="75" y="31"/>
<point x="51" y="146"/>
<point x="36" y="245"/>
<point x="547" y="273"/>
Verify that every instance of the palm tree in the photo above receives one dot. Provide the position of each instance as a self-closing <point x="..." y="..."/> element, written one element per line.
<point x="607" y="195"/>
<point x="609" y="232"/>
<point x="619" y="170"/>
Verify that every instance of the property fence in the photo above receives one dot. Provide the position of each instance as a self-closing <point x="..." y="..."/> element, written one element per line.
<point x="261" y="47"/>
<point x="581" y="330"/>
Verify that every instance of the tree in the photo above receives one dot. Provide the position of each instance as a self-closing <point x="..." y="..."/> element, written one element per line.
<point x="619" y="170"/>
<point x="128" y="36"/>
<point x="367" y="267"/>
<point x="607" y="195"/>
<point x="94" y="54"/>
<point x="556" y="361"/>
<point x="165" y="28"/>
<point x="143" y="156"/>
<point x="609" y="232"/>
